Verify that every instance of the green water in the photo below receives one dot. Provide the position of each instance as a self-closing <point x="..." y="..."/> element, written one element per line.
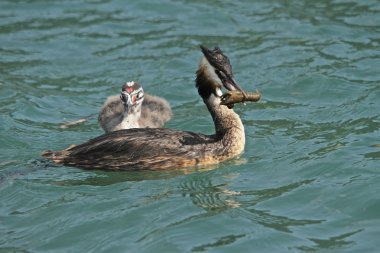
<point x="307" y="182"/>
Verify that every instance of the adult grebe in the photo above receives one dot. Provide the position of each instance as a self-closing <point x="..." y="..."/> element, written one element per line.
<point x="159" y="148"/>
<point x="133" y="109"/>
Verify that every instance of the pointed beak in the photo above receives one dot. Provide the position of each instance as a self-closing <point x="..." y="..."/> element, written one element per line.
<point x="127" y="107"/>
<point x="230" y="84"/>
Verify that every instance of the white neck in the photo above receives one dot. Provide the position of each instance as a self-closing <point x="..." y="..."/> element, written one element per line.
<point x="131" y="119"/>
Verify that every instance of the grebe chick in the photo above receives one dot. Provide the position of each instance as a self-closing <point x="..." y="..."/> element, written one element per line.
<point x="161" y="148"/>
<point x="133" y="109"/>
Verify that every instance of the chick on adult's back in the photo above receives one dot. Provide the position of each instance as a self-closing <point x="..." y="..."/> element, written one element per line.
<point x="160" y="148"/>
<point x="133" y="109"/>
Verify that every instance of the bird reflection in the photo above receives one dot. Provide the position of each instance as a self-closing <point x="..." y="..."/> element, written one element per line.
<point x="217" y="197"/>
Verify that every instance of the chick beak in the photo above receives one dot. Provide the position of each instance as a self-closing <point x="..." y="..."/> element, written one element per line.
<point x="127" y="102"/>
<point x="127" y="108"/>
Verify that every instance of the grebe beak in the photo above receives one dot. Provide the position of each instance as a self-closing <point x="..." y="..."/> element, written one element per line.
<point x="231" y="84"/>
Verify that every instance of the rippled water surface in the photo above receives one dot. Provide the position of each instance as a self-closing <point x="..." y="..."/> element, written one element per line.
<point x="307" y="182"/>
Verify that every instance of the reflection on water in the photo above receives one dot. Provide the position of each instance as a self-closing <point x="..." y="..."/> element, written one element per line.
<point x="332" y="243"/>
<point x="104" y="178"/>
<point x="225" y="240"/>
<point x="216" y="198"/>
<point x="372" y="155"/>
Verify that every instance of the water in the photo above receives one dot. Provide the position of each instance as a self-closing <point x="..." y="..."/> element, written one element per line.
<point x="307" y="182"/>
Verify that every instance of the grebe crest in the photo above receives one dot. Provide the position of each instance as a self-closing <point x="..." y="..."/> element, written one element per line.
<point x="214" y="72"/>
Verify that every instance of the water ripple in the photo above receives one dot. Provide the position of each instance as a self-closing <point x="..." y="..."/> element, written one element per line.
<point x="306" y="182"/>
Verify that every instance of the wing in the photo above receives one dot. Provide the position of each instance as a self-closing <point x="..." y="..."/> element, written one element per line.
<point x="147" y="148"/>
<point x="111" y="113"/>
<point x="155" y="111"/>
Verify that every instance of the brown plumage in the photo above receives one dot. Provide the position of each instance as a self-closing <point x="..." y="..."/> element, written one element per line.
<point x="159" y="148"/>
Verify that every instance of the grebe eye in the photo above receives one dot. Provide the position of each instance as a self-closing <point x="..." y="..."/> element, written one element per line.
<point x="123" y="98"/>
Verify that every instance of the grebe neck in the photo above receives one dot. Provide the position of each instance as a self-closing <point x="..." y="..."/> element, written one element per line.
<point x="228" y="125"/>
<point x="130" y="119"/>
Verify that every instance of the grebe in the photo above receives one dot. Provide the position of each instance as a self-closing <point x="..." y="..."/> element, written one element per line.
<point x="133" y="109"/>
<point x="160" y="148"/>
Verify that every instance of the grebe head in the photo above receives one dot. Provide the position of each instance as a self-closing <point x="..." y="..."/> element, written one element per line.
<point x="217" y="72"/>
<point x="132" y="96"/>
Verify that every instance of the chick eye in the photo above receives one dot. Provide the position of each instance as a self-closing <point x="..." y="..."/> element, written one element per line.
<point x="140" y="95"/>
<point x="122" y="97"/>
